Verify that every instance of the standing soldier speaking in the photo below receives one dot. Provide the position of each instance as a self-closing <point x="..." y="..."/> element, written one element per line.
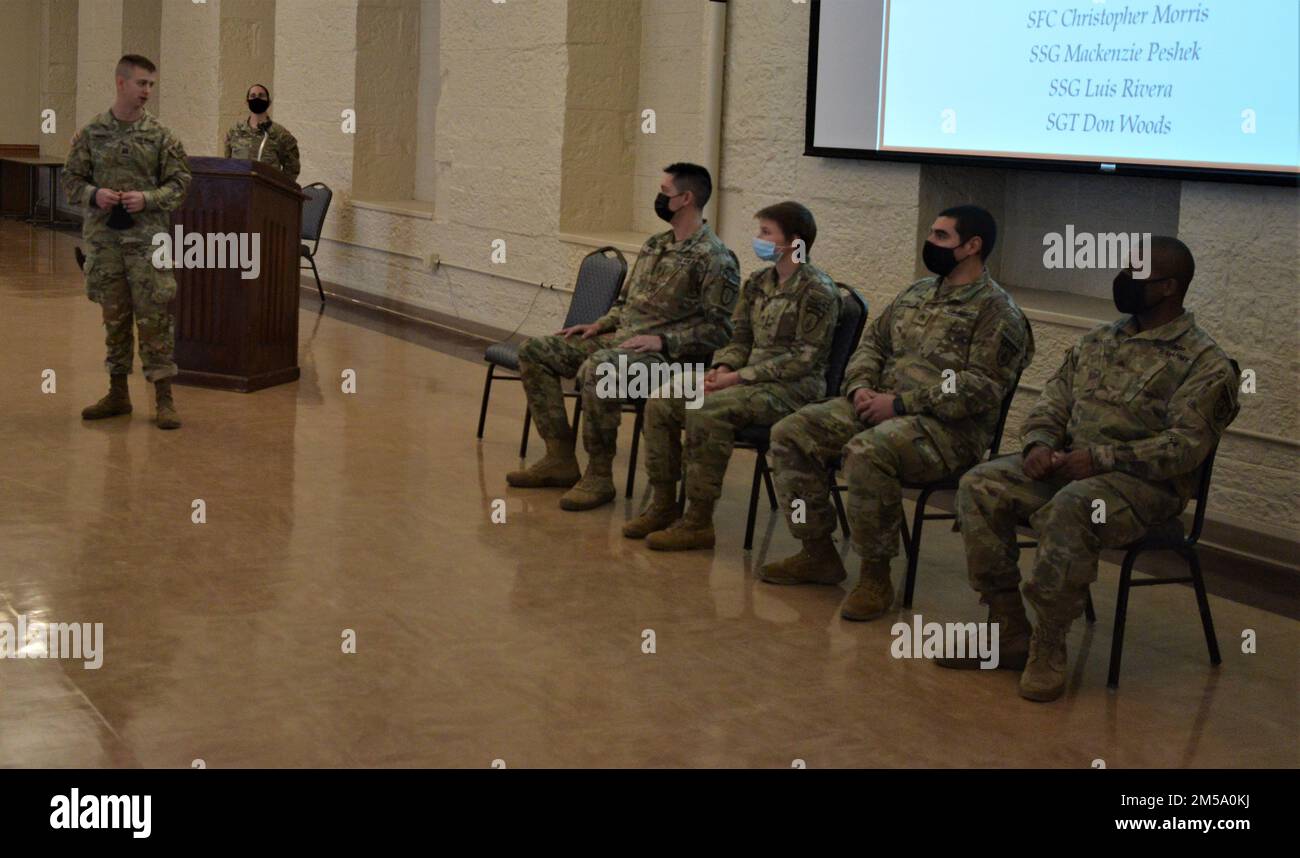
<point x="130" y="172"/>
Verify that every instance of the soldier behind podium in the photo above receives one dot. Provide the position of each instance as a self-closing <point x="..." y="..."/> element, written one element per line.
<point x="130" y="172"/>
<point x="257" y="138"/>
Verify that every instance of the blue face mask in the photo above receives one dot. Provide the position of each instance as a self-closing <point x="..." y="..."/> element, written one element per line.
<point x="766" y="250"/>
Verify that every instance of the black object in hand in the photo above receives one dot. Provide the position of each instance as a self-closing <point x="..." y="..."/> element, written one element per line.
<point x="120" y="218"/>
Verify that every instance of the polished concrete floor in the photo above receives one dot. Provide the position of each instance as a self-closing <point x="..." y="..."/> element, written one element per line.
<point x="478" y="641"/>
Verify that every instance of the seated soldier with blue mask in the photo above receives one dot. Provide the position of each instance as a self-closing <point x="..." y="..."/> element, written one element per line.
<point x="774" y="364"/>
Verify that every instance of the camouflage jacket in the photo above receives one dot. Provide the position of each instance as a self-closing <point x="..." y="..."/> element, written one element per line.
<point x="126" y="156"/>
<point x="783" y="331"/>
<point x="975" y="330"/>
<point x="1149" y="403"/>
<point x="684" y="291"/>
<point x="281" y="149"/>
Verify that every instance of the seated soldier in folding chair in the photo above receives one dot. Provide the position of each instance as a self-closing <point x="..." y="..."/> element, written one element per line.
<point x="921" y="399"/>
<point x="775" y="363"/>
<point x="1111" y="448"/>
<point x="676" y="305"/>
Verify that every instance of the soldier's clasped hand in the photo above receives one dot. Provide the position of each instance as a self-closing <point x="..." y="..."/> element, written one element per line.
<point x="132" y="201"/>
<point x="1040" y="462"/>
<point x="106" y="199"/>
<point x="1075" y="464"/>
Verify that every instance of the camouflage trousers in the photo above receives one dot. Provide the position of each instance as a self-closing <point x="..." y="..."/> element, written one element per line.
<point x="876" y="461"/>
<point x="544" y="361"/>
<point x="710" y="433"/>
<point x="1072" y="524"/>
<point x="121" y="278"/>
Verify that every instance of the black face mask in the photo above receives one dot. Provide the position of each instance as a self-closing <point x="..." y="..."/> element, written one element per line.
<point x="1130" y="295"/>
<point x="940" y="260"/>
<point x="661" y="208"/>
<point x="259" y="105"/>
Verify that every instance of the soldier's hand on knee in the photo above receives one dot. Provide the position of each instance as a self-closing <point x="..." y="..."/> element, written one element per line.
<point x="861" y="398"/>
<point x="1040" y="462"/>
<point x="576" y="330"/>
<point x="1076" y="464"/>
<point x="878" y="410"/>
<point x="133" y="201"/>
<point x="106" y="199"/>
<point x="643" y="343"/>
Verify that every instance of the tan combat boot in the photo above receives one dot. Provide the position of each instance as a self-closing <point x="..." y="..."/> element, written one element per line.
<point x="118" y="401"/>
<point x="692" y="530"/>
<point x="596" y="488"/>
<point x="558" y="468"/>
<point x="663" y="511"/>
<point x="1008" y="611"/>
<point x="166" y="417"/>
<point x="816" y="563"/>
<point x="1044" y="676"/>
<point x="874" y="594"/>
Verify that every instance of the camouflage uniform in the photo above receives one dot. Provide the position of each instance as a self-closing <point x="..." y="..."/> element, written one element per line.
<point x="281" y="149"/>
<point x="780" y="347"/>
<point x="1149" y="405"/>
<point x="120" y="275"/>
<point x="682" y="291"/>
<point x="977" y="331"/>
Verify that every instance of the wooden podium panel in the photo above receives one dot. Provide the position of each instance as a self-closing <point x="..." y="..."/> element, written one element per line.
<point x="233" y="333"/>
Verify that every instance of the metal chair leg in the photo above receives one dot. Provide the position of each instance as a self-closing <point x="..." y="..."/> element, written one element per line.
<point x="1203" y="603"/>
<point x="523" y="441"/>
<point x="1121" y="614"/>
<point x="839" y="508"/>
<point x="316" y="274"/>
<point x="767" y="478"/>
<point x="913" y="553"/>
<point x="487" y="391"/>
<point x="753" y="501"/>
<point x="636" y="440"/>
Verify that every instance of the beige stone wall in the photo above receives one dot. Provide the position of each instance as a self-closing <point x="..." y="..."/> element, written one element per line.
<point x="58" y="72"/>
<point x="20" y="45"/>
<point x="600" y="115"/>
<point x="387" y="82"/>
<point x="247" y="57"/>
<point x="529" y="95"/>
<point x="99" y="46"/>
<point x="190" y="70"/>
<point x="142" y="34"/>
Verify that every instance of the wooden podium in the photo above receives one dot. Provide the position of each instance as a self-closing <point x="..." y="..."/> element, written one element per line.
<point x="233" y="333"/>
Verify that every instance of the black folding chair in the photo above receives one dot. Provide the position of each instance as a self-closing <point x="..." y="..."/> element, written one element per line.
<point x="314" y="209"/>
<point x="1167" y="536"/>
<point x="848" y="330"/>
<point x="600" y="279"/>
<point x="912" y="536"/>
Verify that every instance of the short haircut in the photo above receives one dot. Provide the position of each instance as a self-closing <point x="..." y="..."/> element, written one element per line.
<point x="693" y="178"/>
<point x="794" y="219"/>
<point x="1171" y="258"/>
<point x="130" y="61"/>
<point x="974" y="221"/>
